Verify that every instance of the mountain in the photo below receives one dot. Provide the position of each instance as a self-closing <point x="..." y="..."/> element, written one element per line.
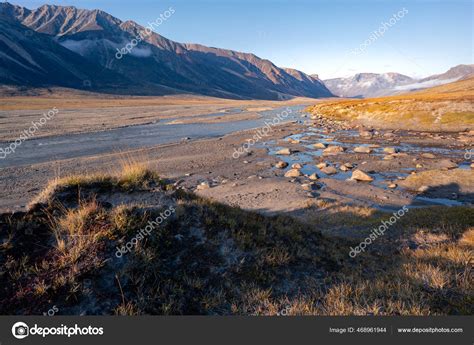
<point x="365" y="85"/>
<point x="453" y="74"/>
<point x="33" y="59"/>
<point x="156" y="65"/>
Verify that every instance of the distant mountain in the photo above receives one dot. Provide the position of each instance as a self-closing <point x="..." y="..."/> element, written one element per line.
<point x="156" y="65"/>
<point x="365" y="85"/>
<point x="453" y="74"/>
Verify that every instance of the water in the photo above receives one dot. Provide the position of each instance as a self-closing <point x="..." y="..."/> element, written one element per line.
<point x="48" y="149"/>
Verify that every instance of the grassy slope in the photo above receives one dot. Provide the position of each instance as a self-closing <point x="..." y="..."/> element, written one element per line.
<point x="209" y="258"/>
<point x="443" y="108"/>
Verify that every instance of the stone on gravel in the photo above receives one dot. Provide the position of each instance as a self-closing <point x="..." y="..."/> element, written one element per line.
<point x="390" y="150"/>
<point x="313" y="176"/>
<point x="285" y="151"/>
<point x="333" y="150"/>
<point x="321" y="165"/>
<point x="296" y="166"/>
<point x="428" y="155"/>
<point x="293" y="173"/>
<point x="329" y="170"/>
<point x="359" y="175"/>
<point x="281" y="165"/>
<point x="319" y="146"/>
<point x="362" y="149"/>
<point x="446" y="164"/>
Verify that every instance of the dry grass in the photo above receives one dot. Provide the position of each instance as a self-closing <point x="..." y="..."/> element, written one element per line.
<point x="443" y="108"/>
<point x="211" y="259"/>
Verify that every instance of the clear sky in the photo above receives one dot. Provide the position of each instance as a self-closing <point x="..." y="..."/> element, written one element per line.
<point x="315" y="36"/>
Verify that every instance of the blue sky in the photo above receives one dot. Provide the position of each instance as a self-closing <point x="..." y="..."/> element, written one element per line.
<point x="314" y="36"/>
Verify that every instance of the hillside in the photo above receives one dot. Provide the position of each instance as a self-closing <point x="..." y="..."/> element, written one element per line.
<point x="447" y="107"/>
<point x="155" y="66"/>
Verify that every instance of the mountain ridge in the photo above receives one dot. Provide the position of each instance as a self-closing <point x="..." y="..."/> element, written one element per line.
<point x="160" y="64"/>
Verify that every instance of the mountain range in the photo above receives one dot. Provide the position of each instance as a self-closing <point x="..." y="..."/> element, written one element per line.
<point x="364" y="85"/>
<point x="78" y="48"/>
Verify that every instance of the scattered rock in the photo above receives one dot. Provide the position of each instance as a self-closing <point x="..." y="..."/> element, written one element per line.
<point x="319" y="146"/>
<point x="281" y="165"/>
<point x="321" y="165"/>
<point x="359" y="175"/>
<point x="418" y="166"/>
<point x="390" y="150"/>
<point x="428" y="155"/>
<point x="329" y="170"/>
<point x="365" y="134"/>
<point x="293" y="173"/>
<point x="446" y="164"/>
<point x="285" y="151"/>
<point x="203" y="185"/>
<point x="296" y="166"/>
<point x="313" y="176"/>
<point x="333" y="150"/>
<point x="423" y="189"/>
<point x="392" y="185"/>
<point x="362" y="149"/>
<point x="293" y="141"/>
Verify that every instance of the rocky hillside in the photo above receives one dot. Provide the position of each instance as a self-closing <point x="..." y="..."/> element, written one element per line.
<point x="448" y="107"/>
<point x="156" y="65"/>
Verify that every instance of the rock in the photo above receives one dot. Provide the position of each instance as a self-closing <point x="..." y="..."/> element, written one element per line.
<point x="344" y="168"/>
<point x="293" y="141"/>
<point x="388" y="157"/>
<point x="333" y="150"/>
<point x="423" y="189"/>
<point x="428" y="155"/>
<point x="389" y="135"/>
<point x="418" y="166"/>
<point x="329" y="170"/>
<point x="362" y="149"/>
<point x="472" y="165"/>
<point x="296" y="166"/>
<point x="446" y="164"/>
<point x="348" y="165"/>
<point x="319" y="146"/>
<point x="392" y="185"/>
<point x="321" y="165"/>
<point x="203" y="185"/>
<point x="390" y="150"/>
<point x="365" y="134"/>
<point x="293" y="173"/>
<point x="281" y="165"/>
<point x="285" y="151"/>
<point x="307" y="186"/>
<point x="359" y="175"/>
<point x="313" y="176"/>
